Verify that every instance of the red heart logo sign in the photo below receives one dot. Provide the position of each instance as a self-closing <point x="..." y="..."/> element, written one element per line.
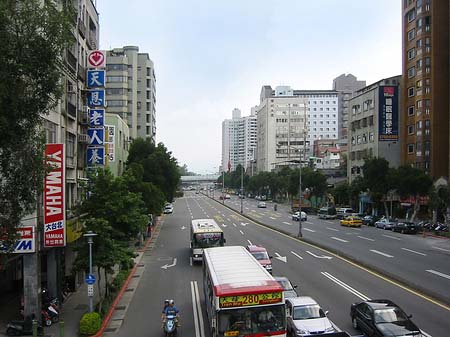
<point x="96" y="58"/>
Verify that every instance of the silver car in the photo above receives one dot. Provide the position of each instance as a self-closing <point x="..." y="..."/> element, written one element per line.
<point x="385" y="223"/>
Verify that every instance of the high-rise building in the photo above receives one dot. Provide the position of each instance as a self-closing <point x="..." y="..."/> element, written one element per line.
<point x="289" y="121"/>
<point x="374" y="125"/>
<point x="238" y="140"/>
<point x="131" y="90"/>
<point x="426" y="74"/>
<point x="346" y="86"/>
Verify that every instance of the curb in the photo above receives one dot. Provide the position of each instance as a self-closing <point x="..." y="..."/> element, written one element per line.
<point x="122" y="290"/>
<point x="426" y="293"/>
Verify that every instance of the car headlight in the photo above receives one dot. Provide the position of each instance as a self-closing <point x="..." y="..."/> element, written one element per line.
<point x="300" y="331"/>
<point x="329" y="329"/>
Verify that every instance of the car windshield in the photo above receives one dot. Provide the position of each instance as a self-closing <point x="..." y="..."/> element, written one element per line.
<point x="205" y="240"/>
<point x="389" y="315"/>
<point x="307" y="312"/>
<point x="260" y="255"/>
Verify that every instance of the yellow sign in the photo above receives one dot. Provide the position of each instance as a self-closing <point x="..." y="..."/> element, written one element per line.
<point x="231" y="333"/>
<point x="251" y="299"/>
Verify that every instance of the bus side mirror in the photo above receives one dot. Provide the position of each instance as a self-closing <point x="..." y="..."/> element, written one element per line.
<point x="294" y="286"/>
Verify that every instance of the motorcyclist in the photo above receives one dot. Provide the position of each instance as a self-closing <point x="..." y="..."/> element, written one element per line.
<point x="171" y="309"/>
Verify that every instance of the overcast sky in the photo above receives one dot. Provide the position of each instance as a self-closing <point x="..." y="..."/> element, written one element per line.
<point x="214" y="55"/>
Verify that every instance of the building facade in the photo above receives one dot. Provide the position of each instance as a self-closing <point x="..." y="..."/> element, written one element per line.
<point x="346" y="86"/>
<point x="374" y="121"/>
<point x="118" y="142"/>
<point x="425" y="98"/>
<point x="131" y="90"/>
<point x="239" y="136"/>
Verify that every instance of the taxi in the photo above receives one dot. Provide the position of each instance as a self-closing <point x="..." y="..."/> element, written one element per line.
<point x="351" y="221"/>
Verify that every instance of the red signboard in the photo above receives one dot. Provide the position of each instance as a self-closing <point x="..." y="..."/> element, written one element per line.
<point x="96" y="59"/>
<point x="54" y="208"/>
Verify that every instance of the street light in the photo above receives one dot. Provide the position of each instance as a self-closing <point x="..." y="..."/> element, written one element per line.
<point x="90" y="239"/>
<point x="223" y="187"/>
<point x="242" y="189"/>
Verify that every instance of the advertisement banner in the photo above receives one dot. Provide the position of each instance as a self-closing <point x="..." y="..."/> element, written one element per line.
<point x="388" y="114"/>
<point x="54" y="197"/>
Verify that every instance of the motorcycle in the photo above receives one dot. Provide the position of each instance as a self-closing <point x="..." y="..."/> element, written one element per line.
<point x="46" y="319"/>
<point x="170" y="326"/>
<point x="23" y="327"/>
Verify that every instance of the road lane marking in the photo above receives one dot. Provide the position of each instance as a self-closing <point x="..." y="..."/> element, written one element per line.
<point x="319" y="256"/>
<point x="308" y="222"/>
<point x="392" y="237"/>
<point x="287" y="223"/>
<point x="309" y="230"/>
<point x="272" y="218"/>
<point x="333" y="229"/>
<point x="329" y="221"/>
<point x="234" y="224"/>
<point x="346" y="286"/>
<point x="250" y="243"/>
<point x="381" y="253"/>
<point x="281" y="258"/>
<point x="413" y="251"/>
<point x="363" y="237"/>
<point x="198" y="316"/>
<point x="294" y="253"/>
<point x="443" y="249"/>
<point x="338" y="239"/>
<point x="241" y="232"/>
<point x="438" y="273"/>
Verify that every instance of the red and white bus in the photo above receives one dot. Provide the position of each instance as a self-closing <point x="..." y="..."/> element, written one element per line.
<point x="242" y="298"/>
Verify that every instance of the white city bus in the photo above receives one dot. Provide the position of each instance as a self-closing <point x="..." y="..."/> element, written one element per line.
<point x="242" y="298"/>
<point x="205" y="233"/>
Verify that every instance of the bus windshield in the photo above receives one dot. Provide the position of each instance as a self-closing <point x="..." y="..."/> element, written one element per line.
<point x="207" y="240"/>
<point x="244" y="321"/>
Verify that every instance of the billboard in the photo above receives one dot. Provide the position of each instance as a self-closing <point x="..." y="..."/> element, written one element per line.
<point x="388" y="113"/>
<point x="54" y="197"/>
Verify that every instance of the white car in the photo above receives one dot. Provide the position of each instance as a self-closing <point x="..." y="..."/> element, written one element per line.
<point x="168" y="209"/>
<point x="305" y="317"/>
<point x="261" y="204"/>
<point x="296" y="216"/>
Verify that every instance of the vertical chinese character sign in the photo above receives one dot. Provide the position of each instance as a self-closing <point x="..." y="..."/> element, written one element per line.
<point x="96" y="80"/>
<point x="388" y="113"/>
<point x="54" y="197"/>
<point x="110" y="131"/>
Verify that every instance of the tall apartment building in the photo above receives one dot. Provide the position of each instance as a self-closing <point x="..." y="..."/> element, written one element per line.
<point x="374" y="125"/>
<point x="308" y="114"/>
<point x="346" y="86"/>
<point x="426" y="74"/>
<point x="238" y="140"/>
<point x="131" y="90"/>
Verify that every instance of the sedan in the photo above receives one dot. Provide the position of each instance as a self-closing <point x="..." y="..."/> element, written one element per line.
<point x="406" y="227"/>
<point x="385" y="223"/>
<point x="382" y="318"/>
<point x="296" y="216"/>
<point x="351" y="221"/>
<point x="261" y="204"/>
<point x="168" y="209"/>
<point x="305" y="317"/>
<point x="369" y="220"/>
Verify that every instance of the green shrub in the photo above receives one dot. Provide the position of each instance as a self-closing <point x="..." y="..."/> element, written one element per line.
<point x="119" y="280"/>
<point x="90" y="323"/>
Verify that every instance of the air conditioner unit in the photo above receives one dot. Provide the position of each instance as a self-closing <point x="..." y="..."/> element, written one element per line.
<point x="83" y="138"/>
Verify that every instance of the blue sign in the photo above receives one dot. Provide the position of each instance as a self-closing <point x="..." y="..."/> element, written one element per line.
<point x="96" y="117"/>
<point x="96" y="136"/>
<point x="388" y="113"/>
<point x="96" y="98"/>
<point x="90" y="279"/>
<point x="95" y="78"/>
<point x="95" y="156"/>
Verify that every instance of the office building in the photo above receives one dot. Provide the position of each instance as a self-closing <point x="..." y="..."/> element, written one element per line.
<point x="426" y="76"/>
<point x="374" y="125"/>
<point x="131" y="90"/>
<point x="239" y="136"/>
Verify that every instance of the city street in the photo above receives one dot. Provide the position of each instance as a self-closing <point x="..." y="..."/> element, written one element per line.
<point x="333" y="282"/>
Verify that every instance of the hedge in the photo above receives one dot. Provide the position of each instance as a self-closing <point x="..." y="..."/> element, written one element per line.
<point x="90" y="323"/>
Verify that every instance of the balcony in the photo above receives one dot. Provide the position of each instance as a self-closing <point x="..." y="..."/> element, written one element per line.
<point x="81" y="28"/>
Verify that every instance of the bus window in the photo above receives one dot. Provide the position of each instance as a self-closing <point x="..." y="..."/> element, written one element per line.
<point x="205" y="240"/>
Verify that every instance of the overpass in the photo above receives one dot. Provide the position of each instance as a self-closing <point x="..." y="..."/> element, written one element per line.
<point x="199" y="179"/>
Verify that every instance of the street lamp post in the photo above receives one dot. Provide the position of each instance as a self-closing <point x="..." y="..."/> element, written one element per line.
<point x="300" y="200"/>
<point x="242" y="189"/>
<point x="90" y="239"/>
<point x="223" y="187"/>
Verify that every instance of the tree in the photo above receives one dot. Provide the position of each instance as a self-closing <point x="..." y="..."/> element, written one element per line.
<point x="32" y="35"/>
<point x="377" y="180"/>
<point x="183" y="170"/>
<point x="341" y="194"/>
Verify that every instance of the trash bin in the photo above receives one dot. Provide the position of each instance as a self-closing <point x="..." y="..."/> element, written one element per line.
<point x="275" y="207"/>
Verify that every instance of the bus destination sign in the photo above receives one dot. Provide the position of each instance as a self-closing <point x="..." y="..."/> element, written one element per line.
<point x="250" y="299"/>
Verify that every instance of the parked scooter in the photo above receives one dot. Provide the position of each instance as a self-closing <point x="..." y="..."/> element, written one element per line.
<point x="170" y="326"/>
<point x="46" y="319"/>
<point x="23" y="327"/>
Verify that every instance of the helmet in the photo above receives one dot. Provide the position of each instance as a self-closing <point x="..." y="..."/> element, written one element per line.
<point x="166" y="301"/>
<point x="171" y="302"/>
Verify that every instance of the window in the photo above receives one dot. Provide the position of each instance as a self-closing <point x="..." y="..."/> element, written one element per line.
<point x="70" y="145"/>
<point x="410" y="148"/>
<point x="370" y="120"/>
<point x="410" y="91"/>
<point x="410" y="129"/>
<point x="411" y="34"/>
<point x="120" y="67"/>
<point x="419" y="64"/>
<point x="411" y="53"/>
<point x="116" y="91"/>
<point x="411" y="110"/>
<point x="419" y="84"/>
<point x="411" y="72"/>
<point x="371" y="137"/>
<point x="116" y="103"/>
<point x="411" y="15"/>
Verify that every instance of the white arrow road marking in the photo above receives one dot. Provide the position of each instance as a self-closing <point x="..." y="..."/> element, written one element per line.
<point x="381" y="253"/>
<point x="346" y="286"/>
<point x="333" y="229"/>
<point x="363" y="237"/>
<point x="174" y="263"/>
<point x="438" y="273"/>
<point x="338" y="239"/>
<point x="223" y="225"/>
<point x="413" y="251"/>
<point x="329" y="221"/>
<point x="287" y="223"/>
<point x="319" y="256"/>
<point x="281" y="258"/>
<point x="250" y="243"/>
<point x="244" y="224"/>
<point x="439" y="248"/>
<point x="294" y="253"/>
<point x="253" y="210"/>
<point x="392" y="237"/>
<point x="241" y="232"/>
<point x="309" y="230"/>
<point x="234" y="224"/>
<point x="272" y="217"/>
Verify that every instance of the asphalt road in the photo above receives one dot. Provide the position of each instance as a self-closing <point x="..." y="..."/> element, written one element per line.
<point x="421" y="262"/>
<point x="332" y="281"/>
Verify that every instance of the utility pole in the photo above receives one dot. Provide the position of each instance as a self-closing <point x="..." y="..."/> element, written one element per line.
<point x="223" y="187"/>
<point x="242" y="189"/>
<point x="300" y="175"/>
